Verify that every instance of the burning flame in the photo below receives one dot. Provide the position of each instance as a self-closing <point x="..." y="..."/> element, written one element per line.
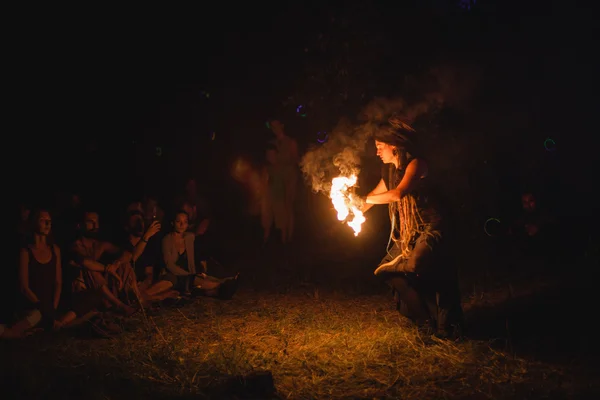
<point x="344" y="203"/>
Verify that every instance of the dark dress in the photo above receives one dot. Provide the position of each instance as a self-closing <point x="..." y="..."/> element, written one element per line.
<point x="180" y="283"/>
<point x="41" y="282"/>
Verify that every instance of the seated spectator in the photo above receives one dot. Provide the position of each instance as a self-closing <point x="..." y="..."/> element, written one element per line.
<point x="40" y="283"/>
<point x="115" y="279"/>
<point x="178" y="253"/>
<point x="143" y="244"/>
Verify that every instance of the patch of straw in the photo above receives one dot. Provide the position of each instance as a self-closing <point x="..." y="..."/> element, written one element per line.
<point x="325" y="347"/>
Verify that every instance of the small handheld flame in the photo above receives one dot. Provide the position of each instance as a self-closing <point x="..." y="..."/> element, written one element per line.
<point x="344" y="203"/>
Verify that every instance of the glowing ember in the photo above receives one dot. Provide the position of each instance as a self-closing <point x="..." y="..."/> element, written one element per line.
<point x="345" y="203"/>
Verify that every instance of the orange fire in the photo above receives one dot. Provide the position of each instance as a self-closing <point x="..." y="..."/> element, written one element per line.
<point x="345" y="203"/>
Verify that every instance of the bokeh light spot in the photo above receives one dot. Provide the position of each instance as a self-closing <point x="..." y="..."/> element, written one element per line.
<point x="549" y="144"/>
<point x="492" y="226"/>
<point x="322" y="136"/>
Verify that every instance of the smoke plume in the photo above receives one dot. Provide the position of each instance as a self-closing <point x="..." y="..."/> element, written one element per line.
<point x="341" y="154"/>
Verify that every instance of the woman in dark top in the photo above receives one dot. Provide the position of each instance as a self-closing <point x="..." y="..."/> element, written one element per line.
<point x="178" y="253"/>
<point x="416" y="266"/>
<point x="40" y="281"/>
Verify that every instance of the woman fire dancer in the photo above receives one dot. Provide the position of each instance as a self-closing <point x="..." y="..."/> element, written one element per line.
<point x="416" y="267"/>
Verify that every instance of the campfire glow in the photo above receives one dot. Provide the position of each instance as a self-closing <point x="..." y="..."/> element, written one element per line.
<point x="345" y="203"/>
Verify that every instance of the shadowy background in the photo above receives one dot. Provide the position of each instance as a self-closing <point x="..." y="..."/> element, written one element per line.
<point x="98" y="93"/>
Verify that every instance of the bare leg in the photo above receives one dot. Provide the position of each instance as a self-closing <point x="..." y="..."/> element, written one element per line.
<point x="206" y="286"/>
<point x="149" y="275"/>
<point x="159" y="287"/>
<point x="212" y="287"/>
<point x="145" y="283"/>
<point x="17" y="330"/>
<point x="207" y="282"/>
<point x="108" y="295"/>
<point x="65" y="320"/>
<point x="21" y="327"/>
<point x="81" y="319"/>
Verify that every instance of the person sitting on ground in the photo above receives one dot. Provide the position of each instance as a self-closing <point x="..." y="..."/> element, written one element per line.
<point x="143" y="245"/>
<point x="116" y="279"/>
<point x="178" y="253"/>
<point x="40" y="282"/>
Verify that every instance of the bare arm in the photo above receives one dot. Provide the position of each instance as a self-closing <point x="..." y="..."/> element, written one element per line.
<point x="139" y="248"/>
<point x="414" y="171"/>
<point x="24" y="277"/>
<point x="58" y="279"/>
<point x="82" y="259"/>
<point x="380" y="188"/>
<point x="110" y="248"/>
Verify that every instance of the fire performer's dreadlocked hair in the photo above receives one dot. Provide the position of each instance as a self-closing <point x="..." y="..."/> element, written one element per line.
<point x="404" y="214"/>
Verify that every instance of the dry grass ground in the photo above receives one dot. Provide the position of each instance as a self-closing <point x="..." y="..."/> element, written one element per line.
<point x="316" y="345"/>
